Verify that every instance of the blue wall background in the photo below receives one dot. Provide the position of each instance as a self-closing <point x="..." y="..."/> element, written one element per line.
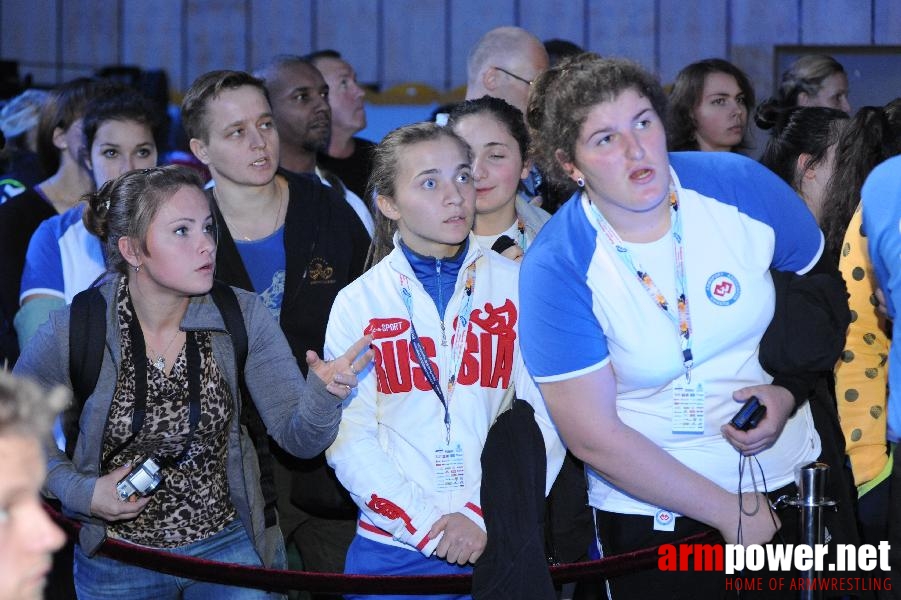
<point x="394" y="41"/>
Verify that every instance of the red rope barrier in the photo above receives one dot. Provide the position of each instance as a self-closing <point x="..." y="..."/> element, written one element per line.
<point x="274" y="580"/>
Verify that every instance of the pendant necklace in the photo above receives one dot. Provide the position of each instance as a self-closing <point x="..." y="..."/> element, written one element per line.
<point x="160" y="361"/>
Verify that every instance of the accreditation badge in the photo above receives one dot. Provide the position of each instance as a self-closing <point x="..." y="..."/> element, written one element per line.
<point x="449" y="467"/>
<point x="688" y="407"/>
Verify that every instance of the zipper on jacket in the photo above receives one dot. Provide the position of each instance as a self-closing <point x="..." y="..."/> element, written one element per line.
<point x="441" y="302"/>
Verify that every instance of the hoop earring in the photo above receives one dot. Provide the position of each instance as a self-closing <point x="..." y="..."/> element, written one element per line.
<point x="580" y="182"/>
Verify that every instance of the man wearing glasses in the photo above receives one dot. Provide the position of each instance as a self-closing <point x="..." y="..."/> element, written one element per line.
<point x="503" y="64"/>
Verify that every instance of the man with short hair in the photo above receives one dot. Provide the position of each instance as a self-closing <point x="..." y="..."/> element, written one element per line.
<point x="299" y="97"/>
<point x="348" y="157"/>
<point x="503" y="64"/>
<point x="28" y="538"/>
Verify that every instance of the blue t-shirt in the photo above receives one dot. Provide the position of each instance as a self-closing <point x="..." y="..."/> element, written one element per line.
<point x="582" y="308"/>
<point x="264" y="260"/>
<point x="881" y="201"/>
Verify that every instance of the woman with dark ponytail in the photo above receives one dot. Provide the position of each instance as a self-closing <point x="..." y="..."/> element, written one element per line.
<point x="872" y="136"/>
<point x="801" y="148"/>
<point x="62" y="258"/>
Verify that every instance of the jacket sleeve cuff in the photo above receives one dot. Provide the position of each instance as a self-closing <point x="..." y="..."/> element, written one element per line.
<point x="427" y="545"/>
<point x="798" y="384"/>
<point x="76" y="496"/>
<point x="474" y="513"/>
<point x="419" y="537"/>
<point x="404" y="526"/>
<point x="323" y="406"/>
<point x="316" y="420"/>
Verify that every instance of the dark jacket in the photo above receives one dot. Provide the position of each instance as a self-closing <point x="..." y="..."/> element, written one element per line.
<point x="325" y="249"/>
<point x="19" y="218"/>
<point x="355" y="169"/>
<point x="800" y="349"/>
<point x="513" y="480"/>
<point x="807" y="333"/>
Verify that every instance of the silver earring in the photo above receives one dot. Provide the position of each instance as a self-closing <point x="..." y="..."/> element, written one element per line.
<point x="136" y="268"/>
<point x="580" y="182"/>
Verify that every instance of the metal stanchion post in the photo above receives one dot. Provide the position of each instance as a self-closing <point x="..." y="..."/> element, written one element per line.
<point x="811" y="500"/>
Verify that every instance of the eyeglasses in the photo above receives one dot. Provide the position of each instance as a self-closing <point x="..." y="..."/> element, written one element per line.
<point x="514" y="76"/>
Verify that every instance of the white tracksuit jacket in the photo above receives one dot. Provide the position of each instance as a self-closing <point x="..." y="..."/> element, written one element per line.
<point x="393" y="423"/>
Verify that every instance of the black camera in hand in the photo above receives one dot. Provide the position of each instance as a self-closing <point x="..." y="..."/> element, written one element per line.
<point x="143" y="479"/>
<point x="749" y="415"/>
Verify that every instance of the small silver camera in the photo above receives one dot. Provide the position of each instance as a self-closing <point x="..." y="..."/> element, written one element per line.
<point x="142" y="481"/>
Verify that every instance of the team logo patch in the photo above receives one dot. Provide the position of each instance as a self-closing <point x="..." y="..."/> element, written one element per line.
<point x="723" y="288"/>
<point x="386" y="328"/>
<point x="320" y="271"/>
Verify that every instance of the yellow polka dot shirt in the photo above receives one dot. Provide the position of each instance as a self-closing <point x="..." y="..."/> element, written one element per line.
<point x="862" y="373"/>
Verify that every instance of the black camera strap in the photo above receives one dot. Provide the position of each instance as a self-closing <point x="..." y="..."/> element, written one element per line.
<point x="87" y="344"/>
<point x="139" y="357"/>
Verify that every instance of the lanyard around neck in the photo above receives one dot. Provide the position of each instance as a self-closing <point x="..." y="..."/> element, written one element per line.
<point x="682" y="318"/>
<point x="521" y="228"/>
<point x="460" y="332"/>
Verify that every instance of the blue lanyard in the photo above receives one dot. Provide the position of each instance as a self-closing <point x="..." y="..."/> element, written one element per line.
<point x="682" y="318"/>
<point x="460" y="332"/>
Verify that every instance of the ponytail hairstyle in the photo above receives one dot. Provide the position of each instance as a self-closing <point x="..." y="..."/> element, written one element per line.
<point x="871" y="137"/>
<point x="382" y="178"/>
<point x="126" y="205"/>
<point x="796" y="131"/>
<point x="806" y="75"/>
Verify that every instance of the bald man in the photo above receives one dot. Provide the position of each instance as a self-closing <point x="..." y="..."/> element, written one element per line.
<point x="503" y="64"/>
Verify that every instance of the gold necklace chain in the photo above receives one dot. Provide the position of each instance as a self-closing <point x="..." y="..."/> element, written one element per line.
<point x="278" y="212"/>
